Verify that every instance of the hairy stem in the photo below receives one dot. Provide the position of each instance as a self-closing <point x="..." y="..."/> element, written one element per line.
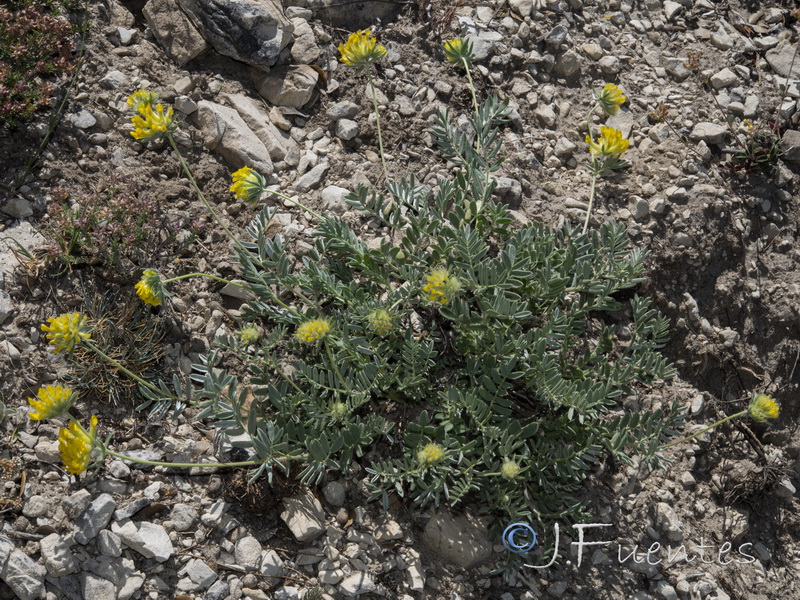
<point x="378" y="124"/>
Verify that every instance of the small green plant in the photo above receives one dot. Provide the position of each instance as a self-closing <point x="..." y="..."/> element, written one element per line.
<point x="761" y="148"/>
<point x="35" y="43"/>
<point x="115" y="222"/>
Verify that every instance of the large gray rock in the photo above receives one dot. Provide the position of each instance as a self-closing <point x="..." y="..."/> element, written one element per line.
<point x="226" y="133"/>
<point x="710" y="133"/>
<point x="304" y="516"/>
<point x="457" y="539"/>
<point x="287" y="86"/>
<point x="148" y="539"/>
<point x="791" y="148"/>
<point x="56" y="555"/>
<point x="781" y="57"/>
<point x="24" y="575"/>
<point x="278" y="143"/>
<point x="94" y="518"/>
<point x="250" y="31"/>
<point x="304" y="49"/>
<point x="174" y="31"/>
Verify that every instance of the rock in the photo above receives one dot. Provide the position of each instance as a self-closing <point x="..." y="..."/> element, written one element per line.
<point x="56" y="555"/>
<point x="785" y="489"/>
<point x="199" y="572"/>
<point x="114" y="80"/>
<point x="76" y="503"/>
<point x="593" y="51"/>
<point x="546" y="115"/>
<point x="272" y="566"/>
<point x="346" y="129"/>
<point x="247" y="552"/>
<point x="226" y="133"/>
<point x="391" y="530"/>
<point x="23" y="575"/>
<point x="737" y="523"/>
<point x="564" y="148"/>
<point x="148" y="539"/>
<point x="333" y="201"/>
<point x="126" y="36"/>
<point x="250" y="31"/>
<point x="109" y="543"/>
<point x="312" y="179"/>
<point x="672" y="10"/>
<point x="667" y="522"/>
<point x="83" y="119"/>
<point x="174" y="31"/>
<point x="278" y="143"/>
<point x="343" y="110"/>
<point x="291" y="86"/>
<point x="722" y="40"/>
<point x="568" y="64"/>
<point x="304" y="516"/>
<point x="183" y="517"/>
<point x="97" y="588"/>
<point x="304" y="49"/>
<point x="10" y="350"/>
<point x="457" y="539"/>
<point x="791" y="146"/>
<point x="481" y="47"/>
<point x="711" y="133"/>
<point x="94" y="518"/>
<point x="219" y="591"/>
<point x="522" y="7"/>
<point x="508" y="190"/>
<point x="641" y="208"/>
<point x="36" y="506"/>
<point x="6" y="305"/>
<point x="556" y="37"/>
<point x="610" y="65"/>
<point x="17" y="208"/>
<point x="724" y="78"/>
<point x="130" y="509"/>
<point x="676" y="68"/>
<point x="185" y="105"/>
<point x="356" y="584"/>
<point x="780" y="58"/>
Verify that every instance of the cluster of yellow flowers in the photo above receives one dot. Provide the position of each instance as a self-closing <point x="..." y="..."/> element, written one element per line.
<point x="313" y="331"/>
<point x="763" y="407"/>
<point x="610" y="144"/>
<point x="149" y="288"/>
<point x="380" y="321"/>
<point x="361" y="50"/>
<point x="67" y="330"/>
<point x="151" y="121"/>
<point x="441" y="287"/>
<point x="248" y="184"/>
<point x="430" y="453"/>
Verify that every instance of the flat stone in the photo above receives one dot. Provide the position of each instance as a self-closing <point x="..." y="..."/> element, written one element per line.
<point x="333" y="200"/>
<point x="791" y="145"/>
<point x="24" y="575"/>
<point x="83" y="119"/>
<point x="781" y="58"/>
<point x="667" y="522"/>
<point x="226" y="133"/>
<point x="148" y="539"/>
<point x="312" y="179"/>
<point x="114" y="80"/>
<point x="97" y="588"/>
<point x="457" y="539"/>
<point x="278" y="143"/>
<point x="346" y="129"/>
<point x="57" y="556"/>
<point x="723" y="79"/>
<point x="343" y="110"/>
<point x="94" y="518"/>
<point x="250" y="31"/>
<point x="568" y="65"/>
<point x="672" y="10"/>
<point x="304" y="48"/>
<point x="272" y="566"/>
<point x="304" y="516"/>
<point x="710" y="133"/>
<point x="109" y="543"/>
<point x="174" y="31"/>
<point x="247" y="552"/>
<point x="6" y="305"/>
<point x="200" y="573"/>
<point x="356" y="584"/>
<point x="291" y="86"/>
<point x="130" y="509"/>
<point x="76" y="503"/>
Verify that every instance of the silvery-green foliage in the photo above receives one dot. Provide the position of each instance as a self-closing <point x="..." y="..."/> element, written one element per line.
<point x="528" y="362"/>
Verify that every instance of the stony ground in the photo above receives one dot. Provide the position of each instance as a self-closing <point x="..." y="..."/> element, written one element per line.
<point x="723" y="267"/>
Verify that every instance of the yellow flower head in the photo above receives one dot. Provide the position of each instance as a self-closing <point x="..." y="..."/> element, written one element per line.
<point x="249" y="335"/>
<point x="510" y="469"/>
<point x="459" y="52"/>
<point x="64" y="331"/>
<point x="150" y="289"/>
<point x="312" y="331"/>
<point x="248" y="184"/>
<point x="610" y="144"/>
<point x="441" y="287"/>
<point x="763" y="407"/>
<point x="429" y="454"/>
<point x="152" y="123"/>
<point x="53" y="401"/>
<point x="339" y="411"/>
<point x="75" y="445"/>
<point x="141" y="99"/>
<point x="611" y="98"/>
<point x="380" y="321"/>
<point x="361" y="50"/>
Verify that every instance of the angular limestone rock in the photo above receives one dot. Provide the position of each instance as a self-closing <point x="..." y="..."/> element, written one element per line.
<point x="457" y="539"/>
<point x="225" y="132"/>
<point x="287" y="86"/>
<point x="174" y="31"/>
<point x="250" y="31"/>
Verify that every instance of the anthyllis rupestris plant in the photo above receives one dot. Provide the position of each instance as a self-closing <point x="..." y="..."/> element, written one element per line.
<point x="459" y="52"/>
<point x="360" y="52"/>
<point x="606" y="150"/>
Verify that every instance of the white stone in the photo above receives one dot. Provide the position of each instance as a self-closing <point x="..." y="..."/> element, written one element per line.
<point x="148" y="539"/>
<point x="56" y="555"/>
<point x="356" y="584"/>
<point x="723" y="79"/>
<point x="304" y="516"/>
<point x="174" y="31"/>
<point x="247" y="552"/>
<point x="672" y="10"/>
